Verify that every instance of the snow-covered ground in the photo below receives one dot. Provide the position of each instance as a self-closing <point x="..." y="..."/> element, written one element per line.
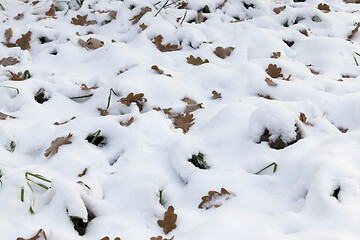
<point x="239" y="116"/>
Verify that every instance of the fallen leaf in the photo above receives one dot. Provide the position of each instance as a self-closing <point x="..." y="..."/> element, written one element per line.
<point x="279" y="9"/>
<point x="181" y="5"/>
<point x="137" y="18"/>
<point x="9" y="61"/>
<point x="343" y="130"/>
<point x="86" y="88"/>
<point x="353" y="32"/>
<point x="35" y="2"/>
<point x="168" y="223"/>
<point x="184" y="121"/>
<point x="212" y="199"/>
<point x="3" y="116"/>
<point x="82" y="21"/>
<point x="165" y="110"/>
<point x="200" y="17"/>
<point x="270" y="82"/>
<point x="8" y="34"/>
<point x="23" y="42"/>
<point x="91" y="43"/>
<point x="103" y="112"/>
<point x="196" y="61"/>
<point x="161" y="238"/>
<point x="216" y="95"/>
<point x="112" y="14"/>
<point x="57" y="123"/>
<point x="222" y="5"/>
<point x="16" y="76"/>
<point x="39" y="236"/>
<point x="352" y="1"/>
<point x="142" y="26"/>
<point x="191" y="105"/>
<point x="276" y="55"/>
<point x="19" y="16"/>
<point x="51" y="11"/>
<point x="223" y="52"/>
<point x="324" y="7"/>
<point x="303" y="119"/>
<point x="159" y="71"/>
<point x="136" y="98"/>
<point x="127" y="123"/>
<point x="274" y="71"/>
<point x="83" y="173"/>
<point x="265" y="96"/>
<point x="288" y="78"/>
<point x="164" y="48"/>
<point x="278" y="143"/>
<point x="82" y="183"/>
<point x="54" y="147"/>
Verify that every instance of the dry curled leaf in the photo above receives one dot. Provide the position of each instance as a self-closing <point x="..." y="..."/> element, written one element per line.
<point x="142" y="26"/>
<point x="276" y="55"/>
<point x="164" y="48"/>
<point x="4" y="116"/>
<point x="137" y="18"/>
<point x="107" y="238"/>
<point x="181" y="5"/>
<point x="57" y="123"/>
<point x="352" y="1"/>
<point x="191" y="105"/>
<point x="16" y="76"/>
<point x="84" y="184"/>
<point x="200" y="17"/>
<point x="221" y="5"/>
<point x="19" y="16"/>
<point x="51" y="11"/>
<point x="343" y="130"/>
<point x="8" y="34"/>
<point x="303" y="119"/>
<point x="82" y="21"/>
<point x="278" y="10"/>
<point x="54" y="147"/>
<point x="270" y="82"/>
<point x="23" y="42"/>
<point x="127" y="123"/>
<point x="159" y="71"/>
<point x="39" y="236"/>
<point x="9" y="61"/>
<point x="86" y="88"/>
<point x="91" y="43"/>
<point x="216" y="95"/>
<point x="223" y="52"/>
<point x="83" y="173"/>
<point x="161" y="238"/>
<point x="184" y="121"/>
<point x="196" y="61"/>
<point x="274" y="71"/>
<point x="265" y="96"/>
<point x="353" y="32"/>
<point x="103" y="112"/>
<point x="136" y="98"/>
<point x="165" y="110"/>
<point x="112" y="14"/>
<point x="324" y="7"/>
<point x="214" y="199"/>
<point x="168" y="223"/>
<point x="288" y="78"/>
<point x="35" y="2"/>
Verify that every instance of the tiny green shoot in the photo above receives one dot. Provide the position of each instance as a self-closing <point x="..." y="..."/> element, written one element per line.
<point x="163" y="6"/>
<point x="26" y="75"/>
<point x="357" y="64"/>
<point x="17" y="90"/>
<point x="12" y="146"/>
<point x="96" y="135"/>
<point x="183" y="17"/>
<point x="160" y="196"/>
<point x="38" y="176"/>
<point x="272" y="164"/>
<point x="86" y="96"/>
<point x="22" y="193"/>
<point x="198" y="161"/>
<point x="109" y="98"/>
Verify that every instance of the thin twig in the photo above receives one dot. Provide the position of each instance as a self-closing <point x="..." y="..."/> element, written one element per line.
<point x="183" y="17"/>
<point x="161" y="8"/>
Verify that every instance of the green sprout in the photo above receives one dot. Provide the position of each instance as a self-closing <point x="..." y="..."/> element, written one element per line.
<point x="22" y="194"/>
<point x="86" y="96"/>
<point x="160" y="195"/>
<point x="79" y="224"/>
<point x="26" y="75"/>
<point x="274" y="170"/>
<point x="12" y="146"/>
<point x="38" y="176"/>
<point x="198" y="161"/>
<point x="357" y="64"/>
<point x="17" y="90"/>
<point x="183" y="17"/>
<point x="109" y="98"/>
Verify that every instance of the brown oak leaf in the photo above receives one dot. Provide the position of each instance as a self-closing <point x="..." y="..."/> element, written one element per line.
<point x="223" y="52"/>
<point x="303" y="119"/>
<point x="164" y="48"/>
<point x="270" y="82"/>
<point x="57" y="123"/>
<point x="274" y="71"/>
<point x="86" y="88"/>
<point x="184" y="121"/>
<point x="165" y="110"/>
<point x="91" y="43"/>
<point x="142" y="26"/>
<point x="39" y="236"/>
<point x="278" y="10"/>
<point x="343" y="130"/>
<point x="112" y="14"/>
<point x="216" y="95"/>
<point x="191" y="105"/>
<point x="158" y="70"/>
<point x="276" y="55"/>
<point x="9" y="61"/>
<point x="324" y="7"/>
<point x="82" y="21"/>
<point x="19" y="16"/>
<point x="16" y="76"/>
<point x="353" y="32"/>
<point x="51" y="11"/>
<point x="127" y="123"/>
<point x="136" y="98"/>
<point x="161" y="238"/>
<point x="103" y="112"/>
<point x="196" y="61"/>
<point x="8" y="34"/>
<point x="3" y="116"/>
<point x="137" y="18"/>
<point x="168" y="223"/>
<point x="23" y="42"/>
<point x="54" y="147"/>
<point x="212" y="199"/>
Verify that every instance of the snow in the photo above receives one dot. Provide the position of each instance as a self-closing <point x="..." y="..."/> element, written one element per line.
<point x="125" y="177"/>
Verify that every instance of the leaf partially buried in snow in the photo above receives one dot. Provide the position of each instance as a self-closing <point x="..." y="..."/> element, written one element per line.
<point x="196" y="61"/>
<point x="4" y="116"/>
<point x="91" y="43"/>
<point x="9" y="61"/>
<point x="159" y="71"/>
<point x="270" y="82"/>
<point x="303" y="119"/>
<point x="39" y="236"/>
<point x="86" y="88"/>
<point x="53" y="149"/>
<point x="82" y="21"/>
<point x="127" y="123"/>
<point x="214" y="199"/>
<point x="137" y="18"/>
<point x="161" y="238"/>
<point x="216" y="95"/>
<point x="184" y="121"/>
<point x="168" y="223"/>
<point x="324" y="7"/>
<point x="223" y="52"/>
<point x="191" y="105"/>
<point x="51" y="12"/>
<point x="23" y="42"/>
<point x="353" y="32"/>
<point x="8" y="34"/>
<point x="274" y="71"/>
<point x="278" y="10"/>
<point x="136" y="98"/>
<point x="164" y="48"/>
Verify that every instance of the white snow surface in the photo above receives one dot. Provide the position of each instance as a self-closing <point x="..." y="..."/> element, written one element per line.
<point x="122" y="185"/>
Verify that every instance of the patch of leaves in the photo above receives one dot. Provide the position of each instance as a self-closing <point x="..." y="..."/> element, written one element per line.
<point x="51" y="11"/>
<point x="216" y="95"/>
<point x="353" y="32"/>
<point x="211" y="200"/>
<point x="278" y="143"/>
<point x="223" y="52"/>
<point x="164" y="48"/>
<point x="82" y="20"/>
<point x="196" y="61"/>
<point x="134" y="98"/>
<point x="91" y="43"/>
<point x="276" y="55"/>
<point x="168" y="223"/>
<point x="278" y="10"/>
<point x="324" y="7"/>
<point x="137" y="18"/>
<point x="40" y="235"/>
<point x="161" y="238"/>
<point x="9" y="61"/>
<point x="270" y="82"/>
<point x="159" y="71"/>
<point x="54" y="147"/>
<point x="127" y="123"/>
<point x="107" y="238"/>
<point x="274" y="71"/>
<point x="184" y="121"/>
<point x="4" y="116"/>
<point x="198" y="161"/>
<point x="303" y="119"/>
<point x="86" y="88"/>
<point x="57" y="123"/>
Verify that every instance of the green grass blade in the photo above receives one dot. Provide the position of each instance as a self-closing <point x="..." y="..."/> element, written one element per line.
<point x="272" y="164"/>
